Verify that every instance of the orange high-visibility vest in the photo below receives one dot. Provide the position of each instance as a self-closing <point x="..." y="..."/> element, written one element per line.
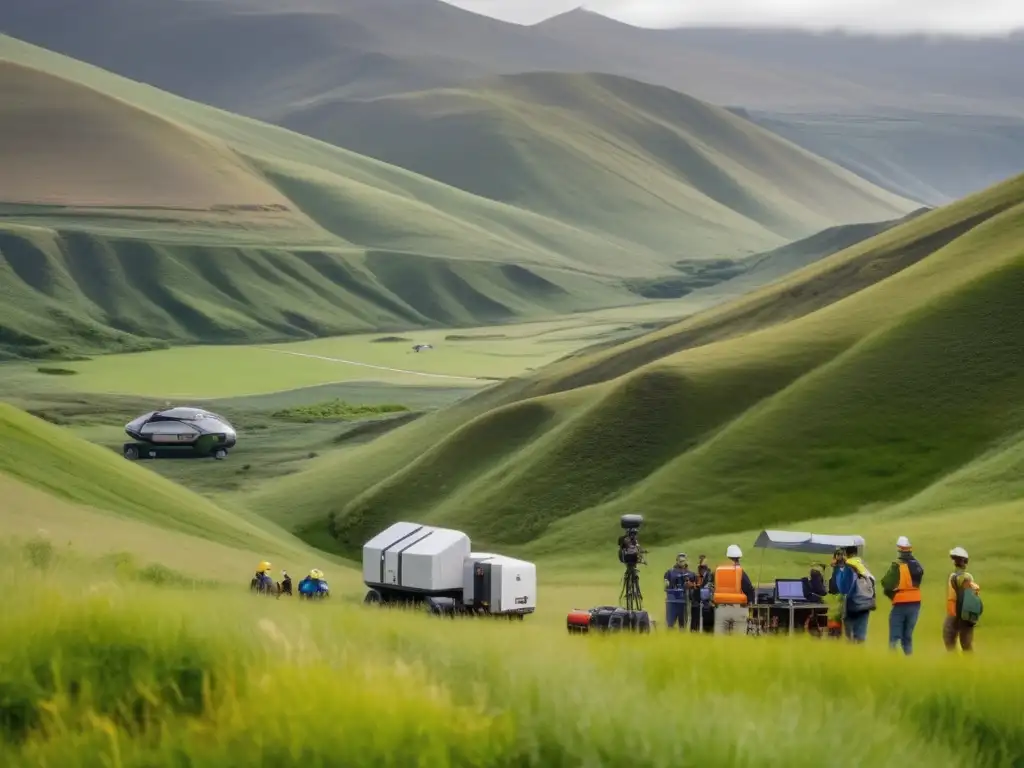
<point x="729" y="585"/>
<point x="966" y="582"/>
<point x="906" y="592"/>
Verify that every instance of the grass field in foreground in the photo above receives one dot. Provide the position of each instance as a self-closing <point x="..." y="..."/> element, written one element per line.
<point x="102" y="670"/>
<point x="102" y="667"/>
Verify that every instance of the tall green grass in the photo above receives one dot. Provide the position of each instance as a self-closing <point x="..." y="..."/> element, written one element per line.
<point x="118" y="672"/>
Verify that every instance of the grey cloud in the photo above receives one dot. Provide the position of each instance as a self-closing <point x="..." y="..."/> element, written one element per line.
<point x="966" y="16"/>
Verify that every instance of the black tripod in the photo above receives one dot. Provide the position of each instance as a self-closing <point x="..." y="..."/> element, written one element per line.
<point x="631" y="595"/>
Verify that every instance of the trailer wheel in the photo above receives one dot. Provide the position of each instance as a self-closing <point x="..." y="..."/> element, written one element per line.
<point x="372" y="598"/>
<point x="131" y="452"/>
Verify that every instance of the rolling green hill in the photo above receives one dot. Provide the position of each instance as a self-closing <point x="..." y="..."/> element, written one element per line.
<point x="158" y="220"/>
<point x="929" y="117"/>
<point x="132" y="217"/>
<point x="82" y="492"/>
<point x="932" y="157"/>
<point x="312" y="49"/>
<point x="864" y="380"/>
<point x="68" y="145"/>
<point x="610" y="153"/>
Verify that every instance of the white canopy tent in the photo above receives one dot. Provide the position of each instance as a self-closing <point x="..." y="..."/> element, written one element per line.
<point x="808" y="543"/>
<point x="812" y="543"/>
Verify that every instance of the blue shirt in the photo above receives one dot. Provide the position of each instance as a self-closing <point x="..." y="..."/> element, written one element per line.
<point x="310" y="586"/>
<point x="846" y="580"/>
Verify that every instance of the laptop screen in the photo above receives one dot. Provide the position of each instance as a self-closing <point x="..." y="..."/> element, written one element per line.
<point x="789" y="589"/>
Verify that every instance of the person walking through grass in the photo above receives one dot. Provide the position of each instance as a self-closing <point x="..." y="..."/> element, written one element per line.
<point x="902" y="585"/>
<point x="963" y="606"/>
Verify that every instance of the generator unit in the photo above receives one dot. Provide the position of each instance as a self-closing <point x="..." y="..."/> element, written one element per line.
<point x="409" y="563"/>
<point x="607" y="618"/>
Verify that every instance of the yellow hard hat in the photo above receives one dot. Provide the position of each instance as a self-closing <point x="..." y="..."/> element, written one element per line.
<point x="264" y="566"/>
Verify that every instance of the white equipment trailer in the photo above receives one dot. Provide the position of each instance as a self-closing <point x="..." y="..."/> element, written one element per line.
<point x="420" y="564"/>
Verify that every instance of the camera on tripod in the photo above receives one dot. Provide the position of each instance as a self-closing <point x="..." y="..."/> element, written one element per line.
<point x="630" y="551"/>
<point x="630" y="616"/>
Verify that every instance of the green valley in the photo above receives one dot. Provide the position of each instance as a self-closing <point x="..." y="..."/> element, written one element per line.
<point x="518" y="281"/>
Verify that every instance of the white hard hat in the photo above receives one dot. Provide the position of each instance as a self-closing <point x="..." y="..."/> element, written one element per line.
<point x="903" y="542"/>
<point x="958" y="552"/>
<point x="734" y="551"/>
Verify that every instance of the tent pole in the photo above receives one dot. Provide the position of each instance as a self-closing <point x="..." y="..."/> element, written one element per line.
<point x="759" y="569"/>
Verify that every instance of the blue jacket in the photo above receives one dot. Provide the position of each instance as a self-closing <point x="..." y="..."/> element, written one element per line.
<point x="310" y="586"/>
<point x="844" y="579"/>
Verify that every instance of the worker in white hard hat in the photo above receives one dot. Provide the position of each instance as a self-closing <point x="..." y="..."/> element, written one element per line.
<point x="733" y="592"/>
<point x="959" y="624"/>
<point x="902" y="585"/>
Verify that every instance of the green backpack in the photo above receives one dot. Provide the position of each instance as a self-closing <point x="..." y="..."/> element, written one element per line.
<point x="971" y="606"/>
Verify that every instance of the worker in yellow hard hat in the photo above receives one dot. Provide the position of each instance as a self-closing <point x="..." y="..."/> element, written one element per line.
<point x="313" y="585"/>
<point x="262" y="581"/>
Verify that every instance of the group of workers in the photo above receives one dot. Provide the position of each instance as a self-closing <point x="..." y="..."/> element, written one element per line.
<point x="312" y="586"/>
<point x="719" y="600"/>
<point x="709" y="601"/>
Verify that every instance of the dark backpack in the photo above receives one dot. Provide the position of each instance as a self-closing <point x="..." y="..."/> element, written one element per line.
<point x="863" y="596"/>
<point x="969" y="604"/>
<point x="615" y="619"/>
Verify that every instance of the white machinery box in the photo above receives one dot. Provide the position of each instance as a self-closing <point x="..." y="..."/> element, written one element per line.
<point x="499" y="584"/>
<point x="416" y="557"/>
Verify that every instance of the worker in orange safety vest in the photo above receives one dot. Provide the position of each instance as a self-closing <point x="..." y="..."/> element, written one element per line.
<point x="961" y="582"/>
<point x="733" y="592"/>
<point x="902" y="585"/>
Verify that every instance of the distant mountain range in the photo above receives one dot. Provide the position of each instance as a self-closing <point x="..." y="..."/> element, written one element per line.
<point x="931" y="118"/>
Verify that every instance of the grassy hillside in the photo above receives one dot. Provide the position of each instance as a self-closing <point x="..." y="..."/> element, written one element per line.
<point x="934" y="158"/>
<point x="861" y="380"/>
<point x="69" y="289"/>
<point x="932" y="118"/>
<point x="184" y="236"/>
<point x="88" y="494"/>
<point x="606" y="152"/>
<point x="764" y="268"/>
<point x="64" y="144"/>
<point x="317" y="48"/>
<point x="160" y="220"/>
<point x="799" y="70"/>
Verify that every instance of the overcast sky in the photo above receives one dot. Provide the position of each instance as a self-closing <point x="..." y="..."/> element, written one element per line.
<point x="968" y="16"/>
